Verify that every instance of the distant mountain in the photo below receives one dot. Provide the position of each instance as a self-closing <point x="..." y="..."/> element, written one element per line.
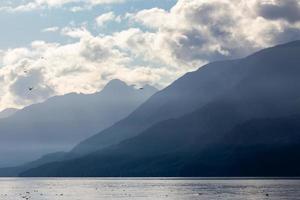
<point x="249" y="127"/>
<point x="8" y="112"/>
<point x="62" y="121"/>
<point x="14" y="171"/>
<point x="185" y="95"/>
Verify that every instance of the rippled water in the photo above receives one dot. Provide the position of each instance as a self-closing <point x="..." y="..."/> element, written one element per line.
<point x="185" y="189"/>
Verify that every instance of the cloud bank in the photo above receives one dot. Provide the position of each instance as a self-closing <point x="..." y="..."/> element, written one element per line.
<point x="157" y="46"/>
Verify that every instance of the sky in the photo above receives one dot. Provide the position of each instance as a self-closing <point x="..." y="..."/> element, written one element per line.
<point x="63" y="46"/>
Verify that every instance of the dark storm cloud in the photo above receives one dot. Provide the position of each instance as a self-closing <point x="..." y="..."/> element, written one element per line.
<point x="288" y="10"/>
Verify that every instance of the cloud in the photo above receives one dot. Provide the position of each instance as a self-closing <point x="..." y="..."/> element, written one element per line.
<point x="157" y="47"/>
<point x="200" y="31"/>
<point x="51" y="29"/>
<point x="43" y="4"/>
<point x="99" y="2"/>
<point x="34" y="79"/>
<point x="84" y="66"/>
<point x="288" y="10"/>
<point x="21" y="8"/>
<point x="107" y="17"/>
<point x="77" y="32"/>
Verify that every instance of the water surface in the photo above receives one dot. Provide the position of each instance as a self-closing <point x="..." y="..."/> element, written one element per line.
<point x="142" y="188"/>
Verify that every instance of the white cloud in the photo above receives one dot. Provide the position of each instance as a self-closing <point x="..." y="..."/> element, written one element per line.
<point x="99" y="2"/>
<point x="20" y="8"/>
<point x="42" y="4"/>
<point x="107" y="17"/>
<point x="170" y="43"/>
<point x="51" y="29"/>
<point x="197" y="31"/>
<point x="51" y="69"/>
<point x="72" y="32"/>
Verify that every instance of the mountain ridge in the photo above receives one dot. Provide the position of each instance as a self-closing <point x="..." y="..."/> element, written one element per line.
<point x="219" y="138"/>
<point x="62" y="121"/>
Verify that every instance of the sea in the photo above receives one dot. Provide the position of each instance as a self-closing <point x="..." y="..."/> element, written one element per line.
<point x="148" y="188"/>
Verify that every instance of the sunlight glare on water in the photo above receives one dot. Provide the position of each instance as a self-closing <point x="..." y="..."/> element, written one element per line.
<point x="118" y="188"/>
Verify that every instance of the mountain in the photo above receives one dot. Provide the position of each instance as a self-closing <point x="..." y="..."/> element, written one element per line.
<point x="7" y="112"/>
<point x="277" y="155"/>
<point x="62" y="121"/>
<point x="14" y="171"/>
<point x="186" y="94"/>
<point x="249" y="128"/>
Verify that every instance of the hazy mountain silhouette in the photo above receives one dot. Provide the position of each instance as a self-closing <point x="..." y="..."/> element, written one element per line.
<point x="248" y="124"/>
<point x="186" y="94"/>
<point x="240" y="155"/>
<point x="14" y="171"/>
<point x="61" y="122"/>
<point x="8" y="112"/>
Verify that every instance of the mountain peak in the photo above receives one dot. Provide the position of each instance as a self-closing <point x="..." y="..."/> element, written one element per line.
<point x="115" y="85"/>
<point x="118" y="85"/>
<point x="150" y="88"/>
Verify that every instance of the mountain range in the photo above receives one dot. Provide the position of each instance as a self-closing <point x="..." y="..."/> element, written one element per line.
<point x="229" y="118"/>
<point x="188" y="93"/>
<point x="59" y="123"/>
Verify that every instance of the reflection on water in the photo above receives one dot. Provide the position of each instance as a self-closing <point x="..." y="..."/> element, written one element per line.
<point x="181" y="189"/>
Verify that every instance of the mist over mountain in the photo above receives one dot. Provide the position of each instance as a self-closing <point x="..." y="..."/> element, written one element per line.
<point x="185" y="95"/>
<point x="61" y="122"/>
<point x="16" y="170"/>
<point x="231" y="118"/>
